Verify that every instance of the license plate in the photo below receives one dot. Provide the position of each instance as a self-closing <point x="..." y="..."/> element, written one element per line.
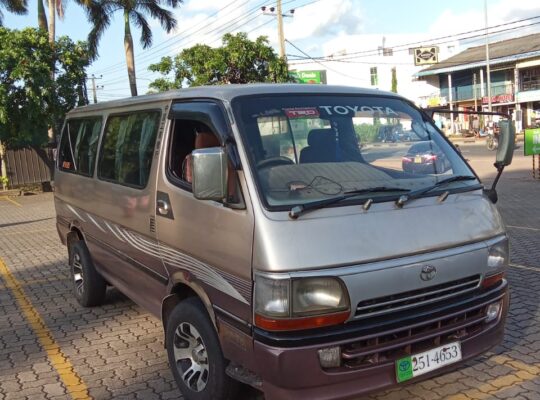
<point x="418" y="159"/>
<point x="421" y="363"/>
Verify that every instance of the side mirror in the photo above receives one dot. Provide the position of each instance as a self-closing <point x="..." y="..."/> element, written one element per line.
<point x="209" y="181"/>
<point x="505" y="149"/>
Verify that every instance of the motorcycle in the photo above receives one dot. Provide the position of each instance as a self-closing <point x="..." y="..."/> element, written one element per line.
<point x="492" y="142"/>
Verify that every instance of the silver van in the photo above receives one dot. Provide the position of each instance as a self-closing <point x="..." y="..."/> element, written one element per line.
<point x="312" y="241"/>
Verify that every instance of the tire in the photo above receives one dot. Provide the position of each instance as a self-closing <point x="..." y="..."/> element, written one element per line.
<point x="491" y="143"/>
<point x="194" y="352"/>
<point x="89" y="287"/>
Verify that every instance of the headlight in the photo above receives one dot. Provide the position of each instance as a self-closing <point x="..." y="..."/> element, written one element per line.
<point x="318" y="296"/>
<point x="299" y="303"/>
<point x="498" y="255"/>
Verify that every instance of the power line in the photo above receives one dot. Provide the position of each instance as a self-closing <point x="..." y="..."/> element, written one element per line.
<point x="175" y="36"/>
<point x="177" y="39"/>
<point x="406" y="46"/>
<point x="325" y="66"/>
<point x="230" y="25"/>
<point x="348" y="58"/>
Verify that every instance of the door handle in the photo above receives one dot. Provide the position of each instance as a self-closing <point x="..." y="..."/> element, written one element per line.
<point x="163" y="207"/>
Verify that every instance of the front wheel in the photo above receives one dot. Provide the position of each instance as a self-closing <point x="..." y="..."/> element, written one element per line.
<point x="195" y="355"/>
<point x="491" y="143"/>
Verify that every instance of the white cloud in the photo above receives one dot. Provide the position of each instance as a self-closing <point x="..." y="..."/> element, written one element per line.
<point x="500" y="12"/>
<point x="325" y="19"/>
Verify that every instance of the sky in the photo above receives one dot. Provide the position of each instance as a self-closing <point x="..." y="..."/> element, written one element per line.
<point x="318" y="28"/>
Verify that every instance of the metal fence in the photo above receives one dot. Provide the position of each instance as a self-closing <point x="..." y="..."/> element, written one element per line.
<point x="28" y="165"/>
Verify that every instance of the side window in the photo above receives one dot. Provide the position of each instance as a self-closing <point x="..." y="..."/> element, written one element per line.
<point x="127" y="148"/>
<point x="78" y="146"/>
<point x="188" y="135"/>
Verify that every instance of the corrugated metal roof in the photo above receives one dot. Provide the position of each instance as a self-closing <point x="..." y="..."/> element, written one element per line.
<point x="500" y="52"/>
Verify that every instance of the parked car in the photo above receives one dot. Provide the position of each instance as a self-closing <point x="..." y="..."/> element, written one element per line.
<point x="425" y="158"/>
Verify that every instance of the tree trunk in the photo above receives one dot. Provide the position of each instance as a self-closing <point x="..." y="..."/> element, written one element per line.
<point x="52" y="20"/>
<point x="52" y="38"/>
<point x="42" y="17"/>
<point x="130" y="56"/>
<point x="3" y="171"/>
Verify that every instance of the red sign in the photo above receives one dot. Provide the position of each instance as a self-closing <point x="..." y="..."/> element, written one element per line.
<point x="298" y="112"/>
<point x="501" y="98"/>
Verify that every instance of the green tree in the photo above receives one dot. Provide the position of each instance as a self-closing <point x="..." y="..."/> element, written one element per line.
<point x="13" y="6"/>
<point x="238" y="60"/>
<point x="31" y="101"/>
<point x="134" y="11"/>
<point x="394" y="80"/>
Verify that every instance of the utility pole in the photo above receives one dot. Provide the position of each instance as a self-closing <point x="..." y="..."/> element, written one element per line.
<point x="278" y="12"/>
<point x="474" y="92"/>
<point x="281" y="35"/>
<point x="487" y="58"/>
<point x="94" y="87"/>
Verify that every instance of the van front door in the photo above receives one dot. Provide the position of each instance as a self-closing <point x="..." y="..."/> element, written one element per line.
<point x="205" y="244"/>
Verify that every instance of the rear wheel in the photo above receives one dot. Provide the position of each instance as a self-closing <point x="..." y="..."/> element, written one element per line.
<point x="195" y="355"/>
<point x="491" y="143"/>
<point x="89" y="287"/>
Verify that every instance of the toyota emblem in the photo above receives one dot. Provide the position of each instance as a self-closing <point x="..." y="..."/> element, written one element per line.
<point x="428" y="272"/>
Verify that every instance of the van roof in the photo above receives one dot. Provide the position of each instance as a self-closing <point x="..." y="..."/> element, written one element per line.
<point x="229" y="92"/>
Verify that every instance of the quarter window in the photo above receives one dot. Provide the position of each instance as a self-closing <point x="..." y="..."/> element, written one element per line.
<point x="78" y="147"/>
<point x="127" y="149"/>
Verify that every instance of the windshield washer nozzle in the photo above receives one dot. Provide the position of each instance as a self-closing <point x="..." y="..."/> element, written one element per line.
<point x="443" y="196"/>
<point x="401" y="201"/>
<point x="367" y="204"/>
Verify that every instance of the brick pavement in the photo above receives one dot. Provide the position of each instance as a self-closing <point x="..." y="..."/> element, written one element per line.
<point x="117" y="349"/>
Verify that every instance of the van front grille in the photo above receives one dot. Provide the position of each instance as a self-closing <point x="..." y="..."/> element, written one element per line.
<point x="418" y="331"/>
<point x="415" y="298"/>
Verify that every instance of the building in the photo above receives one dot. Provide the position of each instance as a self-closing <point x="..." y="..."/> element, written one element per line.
<point x="371" y="61"/>
<point x="460" y="82"/>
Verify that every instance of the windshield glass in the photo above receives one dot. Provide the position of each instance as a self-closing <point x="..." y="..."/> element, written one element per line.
<point x="309" y="148"/>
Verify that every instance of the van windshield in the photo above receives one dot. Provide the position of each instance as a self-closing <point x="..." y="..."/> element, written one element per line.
<point x="310" y="148"/>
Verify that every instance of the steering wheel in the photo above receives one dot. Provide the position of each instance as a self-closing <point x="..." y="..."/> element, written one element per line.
<point x="278" y="160"/>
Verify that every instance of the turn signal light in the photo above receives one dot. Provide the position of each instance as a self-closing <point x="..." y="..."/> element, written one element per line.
<point x="492" y="280"/>
<point x="296" y="324"/>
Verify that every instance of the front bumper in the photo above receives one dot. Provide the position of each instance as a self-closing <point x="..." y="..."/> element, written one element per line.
<point x="290" y="367"/>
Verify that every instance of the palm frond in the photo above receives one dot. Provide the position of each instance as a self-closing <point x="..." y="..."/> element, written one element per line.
<point x="164" y="16"/>
<point x="146" y="32"/>
<point x="60" y="6"/>
<point x="15" y="6"/>
<point x="98" y="14"/>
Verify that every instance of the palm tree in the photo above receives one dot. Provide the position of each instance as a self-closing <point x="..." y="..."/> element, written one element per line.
<point x="58" y="5"/>
<point x="135" y="11"/>
<point x="14" y="6"/>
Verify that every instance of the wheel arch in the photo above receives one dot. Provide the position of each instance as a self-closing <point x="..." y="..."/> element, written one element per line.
<point x="180" y="291"/>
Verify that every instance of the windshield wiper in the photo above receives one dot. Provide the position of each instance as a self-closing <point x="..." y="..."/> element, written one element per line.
<point x="420" y="192"/>
<point x="296" y="211"/>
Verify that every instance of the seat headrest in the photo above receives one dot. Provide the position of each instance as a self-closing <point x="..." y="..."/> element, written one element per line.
<point x="204" y="140"/>
<point x="321" y="137"/>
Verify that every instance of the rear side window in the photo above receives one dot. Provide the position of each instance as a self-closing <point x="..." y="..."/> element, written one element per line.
<point x="78" y="147"/>
<point x="127" y="148"/>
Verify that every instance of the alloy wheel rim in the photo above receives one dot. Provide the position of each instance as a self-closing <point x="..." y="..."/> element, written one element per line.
<point x="190" y="356"/>
<point x="78" y="277"/>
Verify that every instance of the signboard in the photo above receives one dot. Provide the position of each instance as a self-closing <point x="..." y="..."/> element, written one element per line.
<point x="311" y="77"/>
<point x="502" y="98"/>
<point x="532" y="142"/>
<point x="426" y="55"/>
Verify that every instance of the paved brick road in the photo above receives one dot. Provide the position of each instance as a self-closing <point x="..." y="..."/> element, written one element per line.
<point x="50" y="348"/>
